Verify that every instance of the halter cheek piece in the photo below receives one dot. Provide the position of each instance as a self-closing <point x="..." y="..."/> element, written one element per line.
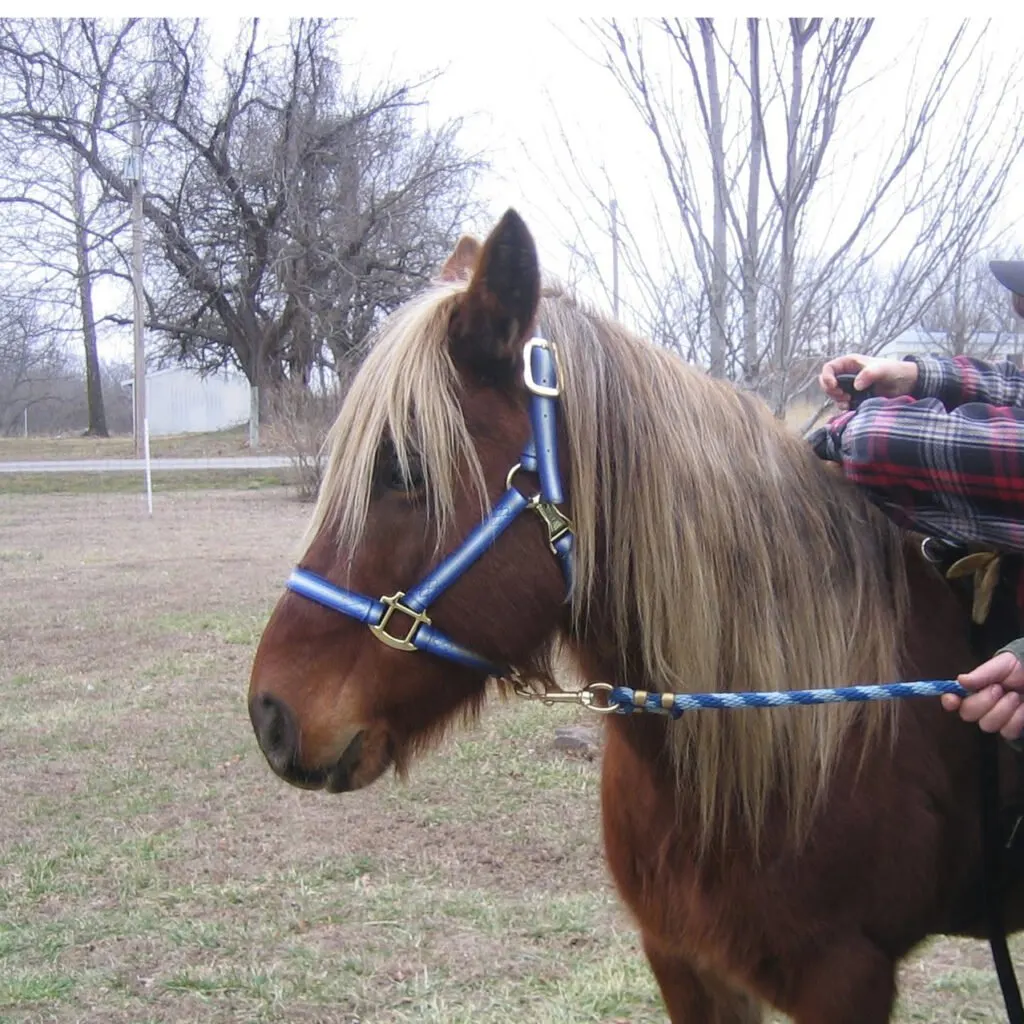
<point x="541" y="373"/>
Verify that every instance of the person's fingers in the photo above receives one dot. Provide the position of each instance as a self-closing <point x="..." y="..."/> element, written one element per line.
<point x="829" y="384"/>
<point x="1014" y="728"/>
<point x="992" y="709"/>
<point x="827" y="378"/>
<point x="1015" y="679"/>
<point x="1000" y="715"/>
<point x="868" y="376"/>
<point x="1003" y="668"/>
<point x="841" y="364"/>
<point x="975" y="707"/>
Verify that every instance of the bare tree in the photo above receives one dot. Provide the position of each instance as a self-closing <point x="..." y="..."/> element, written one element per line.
<point x="972" y="315"/>
<point x="284" y="212"/>
<point x="32" y="361"/>
<point x="61" y="222"/>
<point x="767" y="105"/>
<point x="373" y="212"/>
<point x="42" y="385"/>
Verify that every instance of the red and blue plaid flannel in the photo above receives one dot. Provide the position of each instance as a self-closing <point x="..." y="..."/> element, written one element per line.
<point x="947" y="461"/>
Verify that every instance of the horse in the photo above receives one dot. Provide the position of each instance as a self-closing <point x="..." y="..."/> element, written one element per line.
<point x="783" y="857"/>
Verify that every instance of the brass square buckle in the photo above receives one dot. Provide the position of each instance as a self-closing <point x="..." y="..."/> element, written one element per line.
<point x="394" y="604"/>
<point x="543" y="390"/>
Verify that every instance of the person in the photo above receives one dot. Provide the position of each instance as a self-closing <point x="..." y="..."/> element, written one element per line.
<point x="941" y="451"/>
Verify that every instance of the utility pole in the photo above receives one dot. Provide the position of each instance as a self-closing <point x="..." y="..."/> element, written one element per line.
<point x="139" y="388"/>
<point x="615" y="258"/>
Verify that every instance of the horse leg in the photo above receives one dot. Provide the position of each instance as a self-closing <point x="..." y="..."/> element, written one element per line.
<point x="851" y="982"/>
<point x="693" y="996"/>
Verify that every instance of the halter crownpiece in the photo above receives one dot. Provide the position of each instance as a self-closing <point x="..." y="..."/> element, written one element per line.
<point x="543" y="378"/>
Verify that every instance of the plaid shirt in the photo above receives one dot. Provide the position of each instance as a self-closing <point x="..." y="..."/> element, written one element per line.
<point x="947" y="461"/>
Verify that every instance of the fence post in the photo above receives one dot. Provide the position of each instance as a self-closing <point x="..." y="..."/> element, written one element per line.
<point x="254" y="417"/>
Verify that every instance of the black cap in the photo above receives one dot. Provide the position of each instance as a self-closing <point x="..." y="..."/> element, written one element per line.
<point x="1010" y="274"/>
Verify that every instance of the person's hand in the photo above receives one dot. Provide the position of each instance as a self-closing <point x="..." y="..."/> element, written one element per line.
<point x="998" y="704"/>
<point x="889" y="377"/>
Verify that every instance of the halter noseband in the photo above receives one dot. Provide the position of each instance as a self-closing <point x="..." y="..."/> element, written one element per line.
<point x="541" y="374"/>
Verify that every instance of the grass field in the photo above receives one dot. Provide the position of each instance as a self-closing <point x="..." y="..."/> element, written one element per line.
<point x="234" y="442"/>
<point x="153" y="869"/>
<point x="133" y="483"/>
<point x="221" y="442"/>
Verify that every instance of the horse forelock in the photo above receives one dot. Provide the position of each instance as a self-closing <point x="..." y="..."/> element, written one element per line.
<point x="405" y="391"/>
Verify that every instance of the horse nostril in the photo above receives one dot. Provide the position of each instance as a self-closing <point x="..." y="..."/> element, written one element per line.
<point x="275" y="730"/>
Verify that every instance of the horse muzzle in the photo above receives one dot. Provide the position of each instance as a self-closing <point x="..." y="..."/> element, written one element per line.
<point x="279" y="738"/>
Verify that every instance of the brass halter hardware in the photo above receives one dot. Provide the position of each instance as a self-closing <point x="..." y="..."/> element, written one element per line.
<point x="394" y="604"/>
<point x="557" y="523"/>
<point x="586" y="697"/>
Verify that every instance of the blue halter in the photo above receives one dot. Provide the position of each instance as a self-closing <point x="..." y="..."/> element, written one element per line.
<point x="540" y="456"/>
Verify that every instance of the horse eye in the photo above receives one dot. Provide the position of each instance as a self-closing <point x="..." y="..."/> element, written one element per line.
<point x="392" y="476"/>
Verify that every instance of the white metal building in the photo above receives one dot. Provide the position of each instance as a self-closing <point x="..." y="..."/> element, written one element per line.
<point x="180" y="401"/>
<point x="988" y="345"/>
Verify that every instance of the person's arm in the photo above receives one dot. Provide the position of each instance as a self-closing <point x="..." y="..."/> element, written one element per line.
<point x="954" y="381"/>
<point x="957" y="475"/>
<point x="961" y="379"/>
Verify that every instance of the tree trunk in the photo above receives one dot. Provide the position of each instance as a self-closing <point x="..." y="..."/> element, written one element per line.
<point x="959" y="330"/>
<point x="787" y="255"/>
<point x="751" y="254"/>
<point x="719" y="254"/>
<point x="93" y="382"/>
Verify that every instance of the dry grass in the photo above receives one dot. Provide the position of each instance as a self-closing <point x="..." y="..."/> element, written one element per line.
<point x="217" y="443"/>
<point x="134" y="483"/>
<point x="152" y="868"/>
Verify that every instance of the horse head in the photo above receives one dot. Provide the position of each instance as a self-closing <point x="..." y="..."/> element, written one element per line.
<point x="422" y="451"/>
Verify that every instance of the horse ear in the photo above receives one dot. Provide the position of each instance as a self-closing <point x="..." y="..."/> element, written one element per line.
<point x="459" y="266"/>
<point x="496" y="312"/>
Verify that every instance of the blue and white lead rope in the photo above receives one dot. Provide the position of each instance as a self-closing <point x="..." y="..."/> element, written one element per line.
<point x="629" y="701"/>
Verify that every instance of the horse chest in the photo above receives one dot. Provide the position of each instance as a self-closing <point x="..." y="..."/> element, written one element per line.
<point x="650" y="843"/>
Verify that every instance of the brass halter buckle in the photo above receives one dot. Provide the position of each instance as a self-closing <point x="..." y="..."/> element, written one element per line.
<point x="394" y="604"/>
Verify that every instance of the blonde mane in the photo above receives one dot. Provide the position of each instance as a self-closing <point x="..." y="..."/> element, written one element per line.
<point x="731" y="559"/>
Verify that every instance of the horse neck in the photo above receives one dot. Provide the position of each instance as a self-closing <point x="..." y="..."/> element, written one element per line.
<point x="785" y="579"/>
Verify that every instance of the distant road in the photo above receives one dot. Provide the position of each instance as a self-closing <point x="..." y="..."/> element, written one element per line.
<point x="139" y="465"/>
